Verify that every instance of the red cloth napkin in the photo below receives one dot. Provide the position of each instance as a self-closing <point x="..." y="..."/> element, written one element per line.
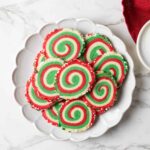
<point x="136" y="13"/>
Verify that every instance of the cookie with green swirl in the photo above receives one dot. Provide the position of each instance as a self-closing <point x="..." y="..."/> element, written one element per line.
<point x="74" y="79"/>
<point x="76" y="116"/>
<point x="104" y="93"/>
<point x="96" y="45"/>
<point x="64" y="43"/>
<point x="44" y="79"/>
<point x="113" y="63"/>
<point x="33" y="98"/>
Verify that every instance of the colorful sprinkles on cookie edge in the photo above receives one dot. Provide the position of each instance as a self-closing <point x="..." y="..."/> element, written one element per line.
<point x="39" y="58"/>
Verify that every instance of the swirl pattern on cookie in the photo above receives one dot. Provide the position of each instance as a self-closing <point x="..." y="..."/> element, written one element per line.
<point x="76" y="116"/>
<point x="113" y="63"/>
<point x="52" y="114"/>
<point x="64" y="43"/>
<point x="34" y="100"/>
<point x="97" y="45"/>
<point x="74" y="79"/>
<point x="103" y="94"/>
<point x="43" y="80"/>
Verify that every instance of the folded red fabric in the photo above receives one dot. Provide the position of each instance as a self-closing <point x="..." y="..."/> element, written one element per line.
<point x="136" y="13"/>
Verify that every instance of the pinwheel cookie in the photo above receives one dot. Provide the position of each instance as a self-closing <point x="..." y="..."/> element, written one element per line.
<point x="97" y="45"/>
<point x="66" y="44"/>
<point x="74" y="79"/>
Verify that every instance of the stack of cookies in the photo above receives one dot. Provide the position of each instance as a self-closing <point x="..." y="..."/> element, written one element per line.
<point x="76" y="78"/>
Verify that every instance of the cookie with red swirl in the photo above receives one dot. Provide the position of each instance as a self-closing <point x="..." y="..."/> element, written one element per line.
<point x="74" y="79"/>
<point x="103" y="94"/>
<point x="76" y="116"/>
<point x="97" y="45"/>
<point x="64" y="43"/>
<point x="33" y="98"/>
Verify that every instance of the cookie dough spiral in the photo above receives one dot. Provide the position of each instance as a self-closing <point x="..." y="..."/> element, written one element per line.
<point x="43" y="80"/>
<point x="103" y="94"/>
<point x="64" y="43"/>
<point x="76" y="116"/>
<point x="33" y="99"/>
<point x="97" y="45"/>
<point x="113" y="63"/>
<point x="74" y="79"/>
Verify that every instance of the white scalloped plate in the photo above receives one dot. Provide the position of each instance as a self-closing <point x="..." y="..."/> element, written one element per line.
<point x="24" y="69"/>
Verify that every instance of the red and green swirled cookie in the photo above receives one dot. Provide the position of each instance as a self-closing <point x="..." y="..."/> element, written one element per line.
<point x="34" y="100"/>
<point x="39" y="58"/>
<point x="52" y="114"/>
<point x="74" y="79"/>
<point x="76" y="116"/>
<point x="103" y="94"/>
<point x="43" y="80"/>
<point x="113" y="63"/>
<point x="65" y="43"/>
<point x="97" y="45"/>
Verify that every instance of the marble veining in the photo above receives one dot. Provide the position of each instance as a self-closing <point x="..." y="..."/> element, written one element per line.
<point x="20" y="19"/>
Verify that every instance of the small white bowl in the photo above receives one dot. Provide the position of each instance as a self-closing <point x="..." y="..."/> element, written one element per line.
<point x="143" y="45"/>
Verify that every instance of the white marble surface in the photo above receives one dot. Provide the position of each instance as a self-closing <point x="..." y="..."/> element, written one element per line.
<point x="21" y="18"/>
